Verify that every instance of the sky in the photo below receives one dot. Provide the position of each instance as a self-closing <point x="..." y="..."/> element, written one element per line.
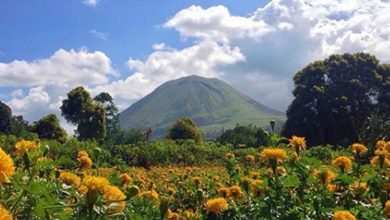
<point x="128" y="48"/>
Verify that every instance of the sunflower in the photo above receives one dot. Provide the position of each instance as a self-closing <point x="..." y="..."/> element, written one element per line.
<point x="326" y="177"/>
<point x="235" y="192"/>
<point x="113" y="194"/>
<point x="276" y="154"/>
<point x="256" y="187"/>
<point x="151" y="195"/>
<point x="381" y="160"/>
<point x="250" y="158"/>
<point x="224" y="192"/>
<point x="95" y="183"/>
<point x="359" y="149"/>
<point x="82" y="153"/>
<point x="4" y="214"/>
<point x="381" y="144"/>
<point x="387" y="208"/>
<point x="298" y="143"/>
<point x="217" y="205"/>
<point x="189" y="214"/>
<point x="172" y="215"/>
<point x="343" y="215"/>
<point x="21" y="147"/>
<point x="69" y="178"/>
<point x="7" y="168"/>
<point x="126" y="179"/>
<point x="343" y="163"/>
<point x="229" y="156"/>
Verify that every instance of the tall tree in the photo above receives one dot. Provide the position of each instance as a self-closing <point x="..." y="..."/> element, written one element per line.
<point x="5" y="118"/>
<point x="49" y="128"/>
<point x="111" y="112"/>
<point x="334" y="97"/>
<point x="79" y="109"/>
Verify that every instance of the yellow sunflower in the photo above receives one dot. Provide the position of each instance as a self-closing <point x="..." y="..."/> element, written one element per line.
<point x="7" y="168"/>
<point x="217" y="205"/>
<point x="21" y="147"/>
<point x="343" y="215"/>
<point x="343" y="163"/>
<point x="113" y="194"/>
<point x="4" y="214"/>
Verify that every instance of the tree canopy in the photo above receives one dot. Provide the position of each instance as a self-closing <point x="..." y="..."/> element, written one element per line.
<point x="248" y="136"/>
<point x="111" y="113"/>
<point x="183" y="129"/>
<point x="49" y="128"/>
<point x="334" y="97"/>
<point x="5" y="118"/>
<point x="81" y="110"/>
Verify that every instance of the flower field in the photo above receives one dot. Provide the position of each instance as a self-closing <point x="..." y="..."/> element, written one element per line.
<point x="286" y="181"/>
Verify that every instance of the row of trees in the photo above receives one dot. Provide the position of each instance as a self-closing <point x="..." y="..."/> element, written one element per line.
<point x="96" y="118"/>
<point x="46" y="128"/>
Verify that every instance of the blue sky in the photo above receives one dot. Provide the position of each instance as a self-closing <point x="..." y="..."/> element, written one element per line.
<point x="35" y="29"/>
<point x="128" y="48"/>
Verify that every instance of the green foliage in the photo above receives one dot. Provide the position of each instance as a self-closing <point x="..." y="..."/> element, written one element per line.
<point x="111" y="113"/>
<point x="323" y="152"/>
<point x="169" y="152"/>
<point x="20" y="128"/>
<point x="184" y="129"/>
<point x="373" y="128"/>
<point x="122" y="137"/>
<point x="49" y="128"/>
<point x="248" y="136"/>
<point x="334" y="97"/>
<point x="5" y="118"/>
<point x="79" y="109"/>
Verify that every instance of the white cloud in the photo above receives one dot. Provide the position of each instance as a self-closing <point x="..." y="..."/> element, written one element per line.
<point x="92" y="3"/>
<point x="62" y="68"/>
<point x="159" y="46"/>
<point x="32" y="102"/>
<point x="202" y="59"/>
<point x="216" y="23"/>
<point x="285" y="35"/>
<point x="98" y="34"/>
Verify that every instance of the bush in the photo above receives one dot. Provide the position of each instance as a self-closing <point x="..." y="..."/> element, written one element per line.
<point x="247" y="136"/>
<point x="183" y="129"/>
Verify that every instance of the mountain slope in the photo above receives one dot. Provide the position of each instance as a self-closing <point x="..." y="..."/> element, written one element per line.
<point x="211" y="103"/>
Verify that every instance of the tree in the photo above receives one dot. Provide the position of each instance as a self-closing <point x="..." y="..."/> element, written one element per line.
<point x="111" y="113"/>
<point x="79" y="109"/>
<point x="249" y="136"/>
<point x="5" y="118"/>
<point x="49" y="128"/>
<point x="384" y="96"/>
<point x="20" y="127"/>
<point x="183" y="129"/>
<point x="333" y="98"/>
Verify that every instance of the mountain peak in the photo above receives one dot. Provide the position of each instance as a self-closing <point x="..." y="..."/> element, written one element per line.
<point x="210" y="102"/>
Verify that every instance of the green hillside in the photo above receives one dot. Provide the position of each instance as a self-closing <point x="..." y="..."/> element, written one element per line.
<point x="211" y="103"/>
